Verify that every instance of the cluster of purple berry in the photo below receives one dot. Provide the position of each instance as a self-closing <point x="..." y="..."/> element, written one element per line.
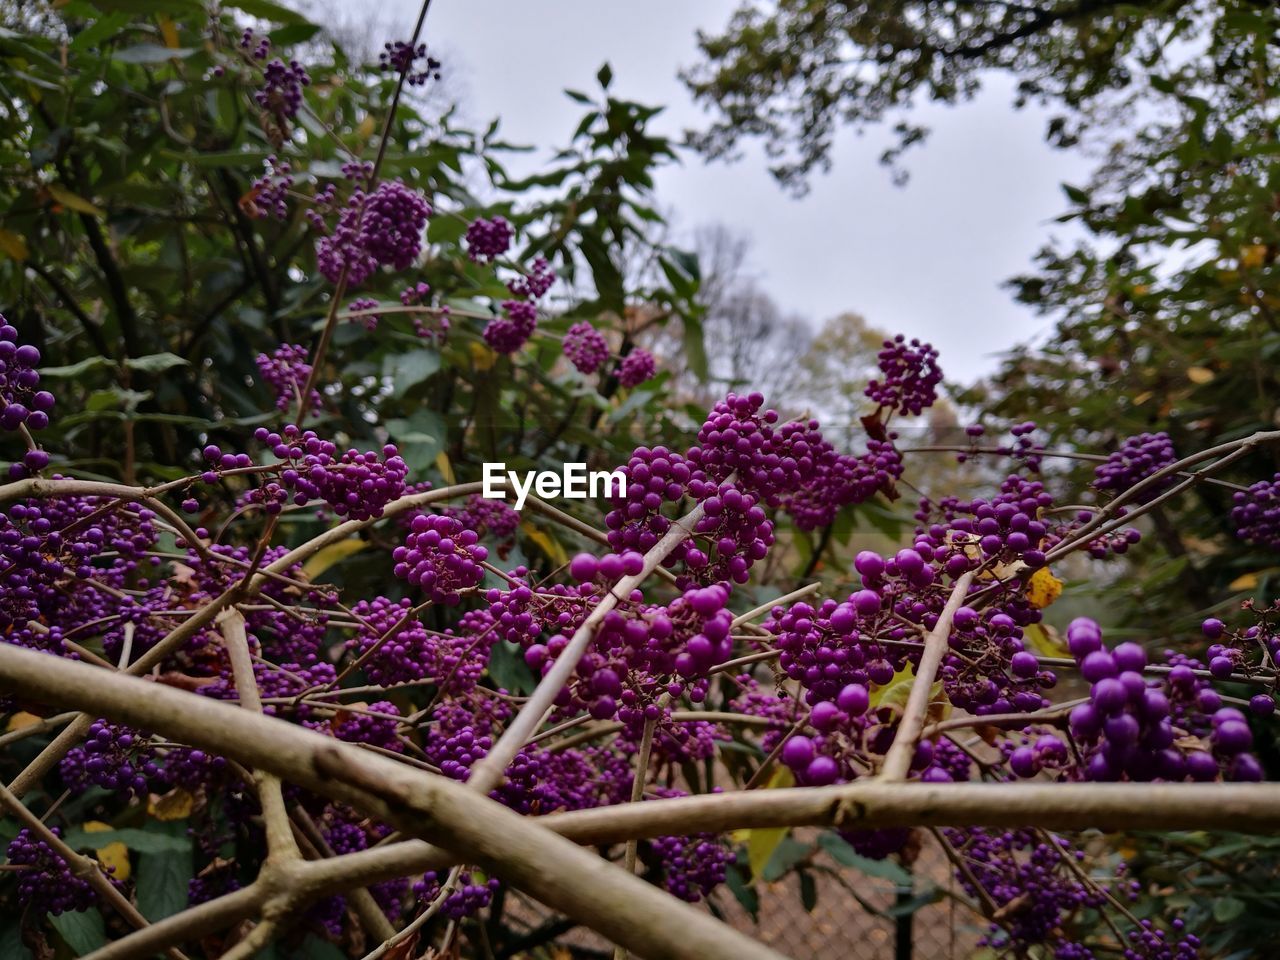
<point x="1138" y="458"/>
<point x="1131" y="728"/>
<point x="1024" y="446"/>
<point x="1233" y="651"/>
<point x="354" y="485"/>
<point x="733" y="533"/>
<point x="391" y="228"/>
<point x="542" y="781"/>
<point x="467" y="899"/>
<point x="637" y="367"/>
<point x="489" y="518"/>
<point x="281" y="90"/>
<point x="1006" y="528"/>
<point x="586" y="347"/>
<point x="635" y="659"/>
<point x="362" y="307"/>
<point x="534" y="284"/>
<point x="488" y="239"/>
<point x="692" y="866"/>
<point x="400" y="57"/>
<point x="1027" y="873"/>
<point x="21" y="403"/>
<point x="112" y="757"/>
<point x="910" y="374"/>
<point x="269" y="194"/>
<point x="46" y="883"/>
<point x="46" y="542"/>
<point x="405" y="649"/>
<point x="440" y="556"/>
<point x="427" y="324"/>
<point x="508" y="333"/>
<point x="1256" y="513"/>
<point x="462" y="733"/>
<point x="286" y="371"/>
<point x="382" y="228"/>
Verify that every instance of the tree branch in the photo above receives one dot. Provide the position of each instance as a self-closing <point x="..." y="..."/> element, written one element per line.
<point x="897" y="762"/>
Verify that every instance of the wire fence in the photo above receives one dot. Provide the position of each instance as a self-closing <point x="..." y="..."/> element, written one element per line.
<point x="847" y="920"/>
<point x="840" y="927"/>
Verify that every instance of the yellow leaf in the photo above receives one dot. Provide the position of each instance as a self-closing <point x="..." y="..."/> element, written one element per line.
<point x="482" y="358"/>
<point x="760" y="846"/>
<point x="328" y="556"/>
<point x="168" y="31"/>
<point x="1142" y="398"/>
<point x="114" y="856"/>
<point x="763" y="841"/>
<point x="1044" y="640"/>
<point x="366" y="127"/>
<point x="74" y="201"/>
<point x="177" y="804"/>
<point x="1043" y="588"/>
<point x="1199" y="374"/>
<point x="21" y="720"/>
<point x="445" y="468"/>
<point x="895" y="693"/>
<point x="1252" y="256"/>
<point x="13" y="245"/>
<point x="550" y="545"/>
<point x="1246" y="581"/>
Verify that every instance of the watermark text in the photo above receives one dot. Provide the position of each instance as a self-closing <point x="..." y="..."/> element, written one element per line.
<point x="574" y="482"/>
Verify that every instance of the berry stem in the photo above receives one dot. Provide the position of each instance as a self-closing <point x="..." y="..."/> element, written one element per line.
<point x="897" y="762"/>
<point x="637" y="794"/>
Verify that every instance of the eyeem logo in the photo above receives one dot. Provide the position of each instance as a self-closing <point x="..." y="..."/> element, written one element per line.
<point x="573" y="483"/>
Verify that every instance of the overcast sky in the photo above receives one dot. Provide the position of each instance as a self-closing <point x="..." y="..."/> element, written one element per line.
<point x="926" y="260"/>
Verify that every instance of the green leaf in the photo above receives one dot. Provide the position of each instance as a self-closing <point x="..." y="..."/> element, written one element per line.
<point x="605" y="75"/>
<point x="269" y="11"/>
<point x="76" y="370"/>
<point x="171" y="7"/>
<point x="143" y="841"/>
<point x="156" y="362"/>
<point x="508" y="669"/>
<point x="843" y="854"/>
<point x="83" y="932"/>
<point x="101" y="29"/>
<point x="695" y="347"/>
<point x="1226" y="909"/>
<point x="604" y="273"/>
<point x="787" y="854"/>
<point x="11" y="945"/>
<point x="1075" y="194"/>
<point x="313" y="948"/>
<point x="808" y="890"/>
<point x="163" y="874"/>
<point x="290" y="34"/>
<point x="420" y="438"/>
<point x="116" y="398"/>
<point x="152" y="53"/>
<point x="407" y="370"/>
<point x="912" y="904"/>
<point x="742" y="892"/>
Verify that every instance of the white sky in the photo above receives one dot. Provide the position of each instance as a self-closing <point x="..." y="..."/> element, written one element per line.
<point x="926" y="260"/>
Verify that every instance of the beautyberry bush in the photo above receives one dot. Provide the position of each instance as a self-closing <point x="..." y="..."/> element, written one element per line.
<point x="265" y="630"/>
